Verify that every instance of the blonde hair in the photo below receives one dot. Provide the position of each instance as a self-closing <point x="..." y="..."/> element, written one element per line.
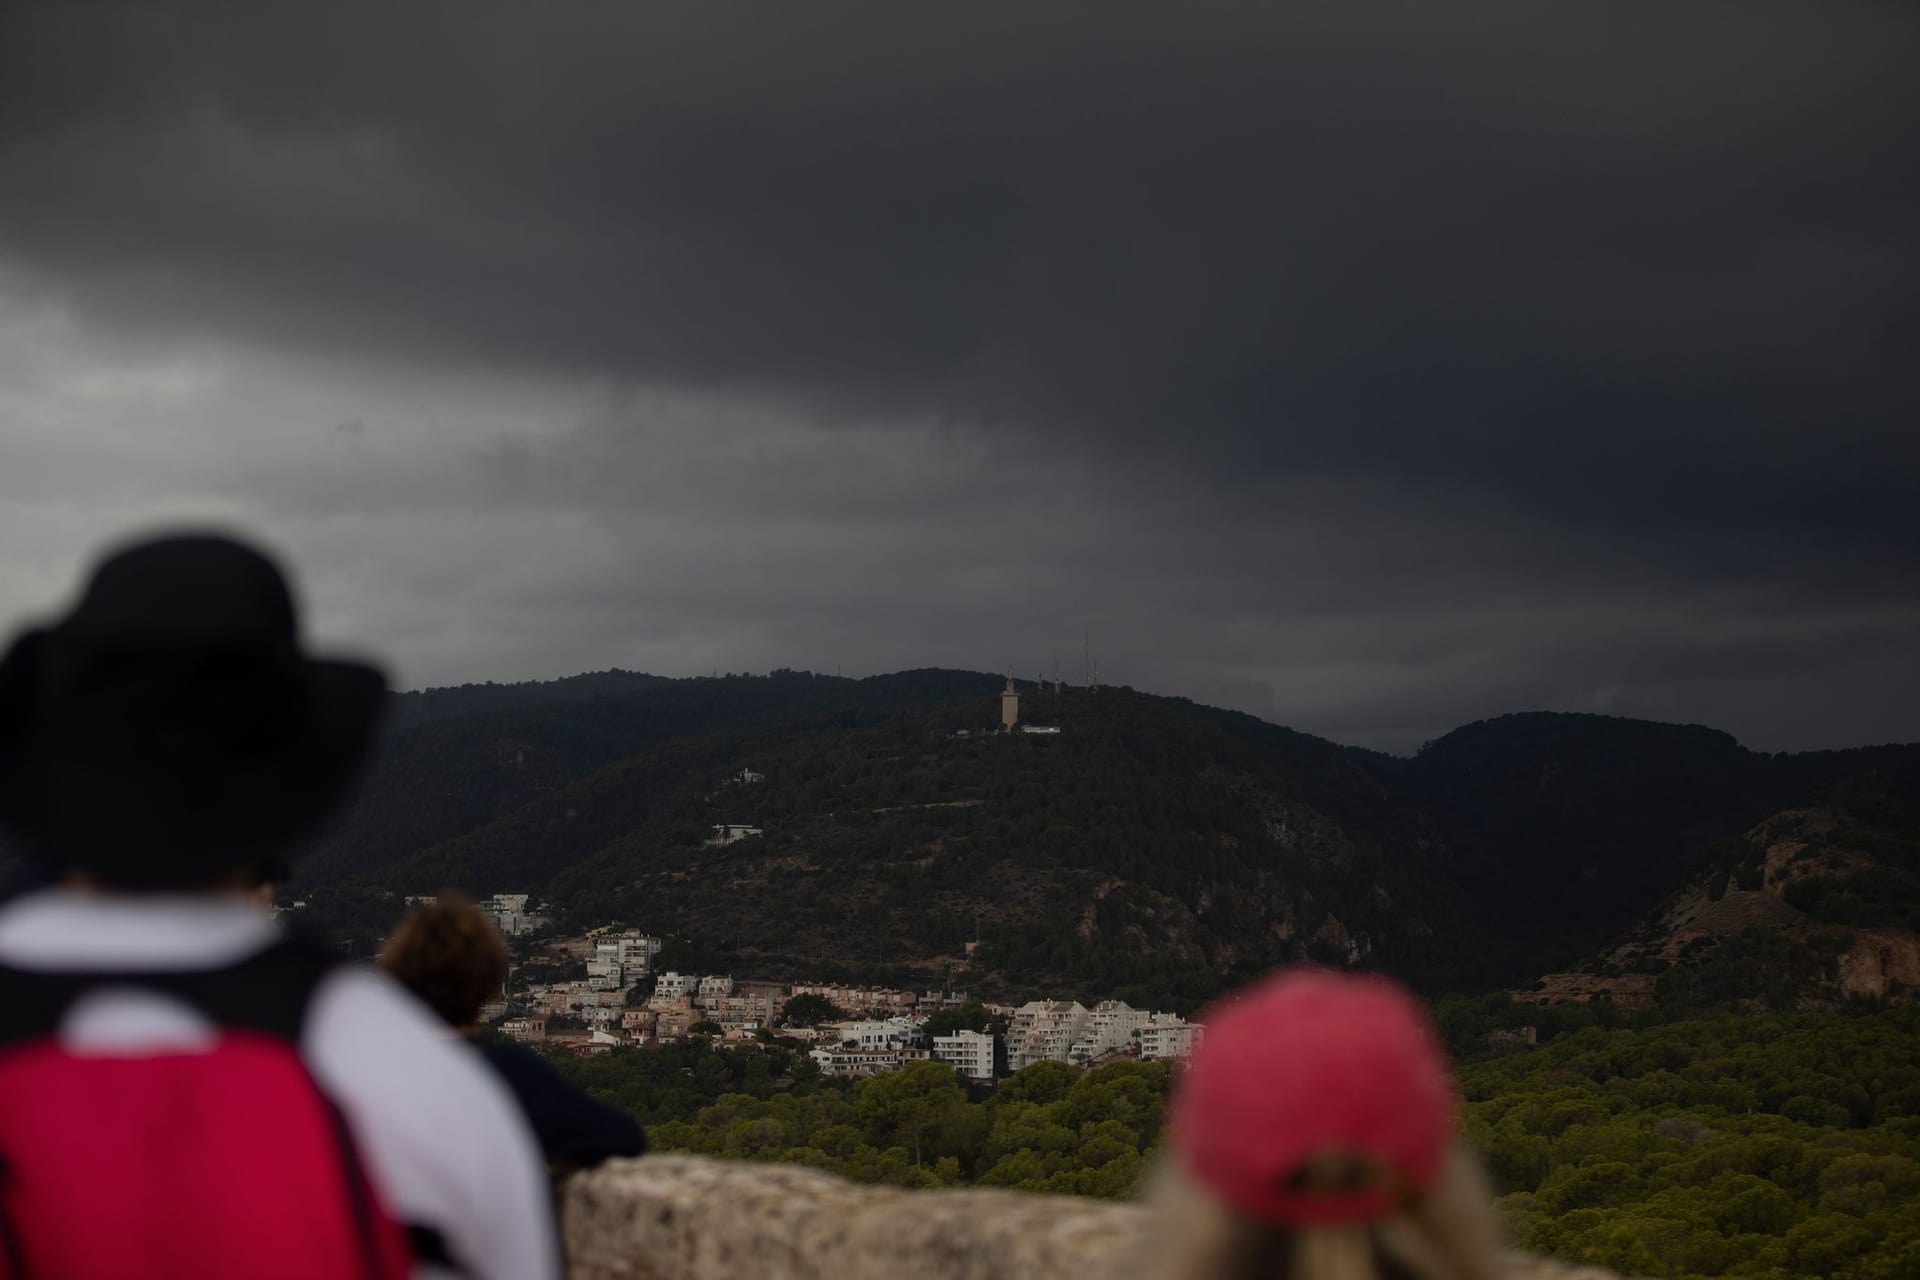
<point x="1447" y="1233"/>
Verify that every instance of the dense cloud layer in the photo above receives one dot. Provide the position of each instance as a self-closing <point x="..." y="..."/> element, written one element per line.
<point x="1373" y="366"/>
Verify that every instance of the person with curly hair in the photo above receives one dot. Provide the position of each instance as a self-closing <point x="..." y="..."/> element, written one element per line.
<point x="450" y="955"/>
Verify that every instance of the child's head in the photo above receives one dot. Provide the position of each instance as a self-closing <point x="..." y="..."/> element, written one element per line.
<point x="1313" y="1137"/>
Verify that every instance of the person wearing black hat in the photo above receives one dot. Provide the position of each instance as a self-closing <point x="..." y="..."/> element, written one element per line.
<point x="164" y="747"/>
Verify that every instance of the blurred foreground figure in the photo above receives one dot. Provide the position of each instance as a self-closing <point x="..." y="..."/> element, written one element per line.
<point x="1313" y="1139"/>
<point x="451" y="956"/>
<point x="183" y="1091"/>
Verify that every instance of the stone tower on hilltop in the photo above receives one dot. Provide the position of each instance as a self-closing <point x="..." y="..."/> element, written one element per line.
<point x="1009" y="705"/>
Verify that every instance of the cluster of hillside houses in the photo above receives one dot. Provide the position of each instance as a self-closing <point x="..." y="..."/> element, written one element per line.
<point x="883" y="1029"/>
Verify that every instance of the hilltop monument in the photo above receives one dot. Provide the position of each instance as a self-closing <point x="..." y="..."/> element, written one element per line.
<point x="1009" y="705"/>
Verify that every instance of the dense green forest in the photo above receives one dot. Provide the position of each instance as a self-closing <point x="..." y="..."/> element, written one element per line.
<point x="1745" y="1145"/>
<point x="1050" y="1127"/>
<point x="1757" y="1145"/>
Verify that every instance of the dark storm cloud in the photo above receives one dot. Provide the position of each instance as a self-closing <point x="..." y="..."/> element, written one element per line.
<point x="1357" y="328"/>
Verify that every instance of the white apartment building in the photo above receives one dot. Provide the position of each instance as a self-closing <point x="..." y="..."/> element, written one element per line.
<point x="713" y="987"/>
<point x="637" y="951"/>
<point x="856" y="1062"/>
<point x="970" y="1052"/>
<point x="510" y="915"/>
<point x="604" y="970"/>
<point x="1045" y="1029"/>
<point x="884" y="1033"/>
<point x="1169" y="1035"/>
<point x="1114" y="1026"/>
<point x="671" y="985"/>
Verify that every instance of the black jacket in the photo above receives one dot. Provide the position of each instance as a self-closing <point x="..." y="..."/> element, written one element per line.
<point x="572" y="1127"/>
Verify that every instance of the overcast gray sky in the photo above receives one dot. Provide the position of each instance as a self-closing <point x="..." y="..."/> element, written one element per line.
<point x="1372" y="367"/>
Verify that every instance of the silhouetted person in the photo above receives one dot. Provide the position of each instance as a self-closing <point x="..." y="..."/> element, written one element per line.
<point x="450" y="955"/>
<point x="184" y="1092"/>
<point x="1312" y="1138"/>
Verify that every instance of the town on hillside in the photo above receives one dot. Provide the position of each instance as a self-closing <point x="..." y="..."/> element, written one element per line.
<point x="853" y="1030"/>
<point x="615" y="996"/>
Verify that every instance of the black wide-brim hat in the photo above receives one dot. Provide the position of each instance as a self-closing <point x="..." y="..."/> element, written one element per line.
<point x="169" y="730"/>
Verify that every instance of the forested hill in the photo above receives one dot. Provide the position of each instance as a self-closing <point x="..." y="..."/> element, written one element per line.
<point x="421" y="706"/>
<point x="1151" y="847"/>
<point x="454" y="760"/>
<point x="1817" y="904"/>
<point x="1142" y="847"/>
<point x="1564" y="828"/>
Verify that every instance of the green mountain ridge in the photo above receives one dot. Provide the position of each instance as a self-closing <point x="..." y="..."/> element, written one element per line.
<point x="437" y="776"/>
<point x="423" y="706"/>
<point x="1154" y="846"/>
<point x="1565" y="827"/>
<point x="1140" y="842"/>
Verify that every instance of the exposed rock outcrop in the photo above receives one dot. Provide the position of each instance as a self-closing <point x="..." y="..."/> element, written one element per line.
<point x="1763" y="881"/>
<point x="1878" y="963"/>
<point x="689" y="1218"/>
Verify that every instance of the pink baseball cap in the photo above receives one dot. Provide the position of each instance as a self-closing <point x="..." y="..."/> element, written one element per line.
<point x="1315" y="1063"/>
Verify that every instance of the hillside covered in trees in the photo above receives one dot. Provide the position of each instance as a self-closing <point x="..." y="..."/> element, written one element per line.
<point x="1564" y="829"/>
<point x="1818" y="903"/>
<point x="1770" y="1145"/>
<point x="1746" y="1145"/>
<point x="1151" y="849"/>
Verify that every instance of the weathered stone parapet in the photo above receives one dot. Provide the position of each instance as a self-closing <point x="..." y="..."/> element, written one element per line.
<point x="689" y="1218"/>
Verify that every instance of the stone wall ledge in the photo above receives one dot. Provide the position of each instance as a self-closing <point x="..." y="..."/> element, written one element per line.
<point x="671" y="1217"/>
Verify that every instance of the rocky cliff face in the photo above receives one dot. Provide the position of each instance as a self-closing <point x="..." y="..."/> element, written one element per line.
<point x="1879" y="964"/>
<point x="1829" y="878"/>
<point x="688" y="1218"/>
